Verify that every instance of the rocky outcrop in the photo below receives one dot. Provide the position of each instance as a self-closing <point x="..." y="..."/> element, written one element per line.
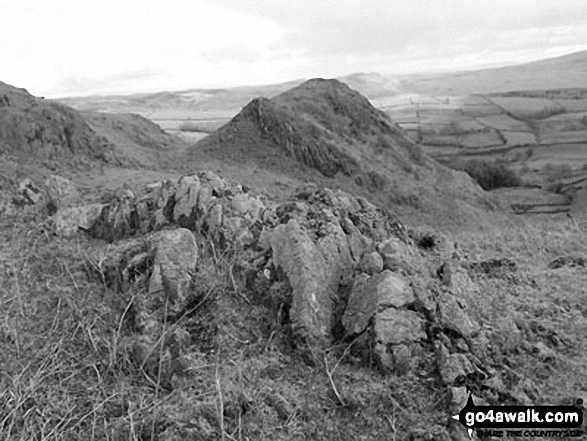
<point x="383" y="302"/>
<point x="176" y="255"/>
<point x="307" y="271"/>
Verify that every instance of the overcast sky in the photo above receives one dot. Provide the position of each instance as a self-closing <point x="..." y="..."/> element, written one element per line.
<point x="79" y="47"/>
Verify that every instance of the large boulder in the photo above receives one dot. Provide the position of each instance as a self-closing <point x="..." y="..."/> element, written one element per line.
<point x="307" y="272"/>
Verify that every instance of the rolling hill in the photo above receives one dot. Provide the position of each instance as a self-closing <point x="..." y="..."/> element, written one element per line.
<point x="567" y="71"/>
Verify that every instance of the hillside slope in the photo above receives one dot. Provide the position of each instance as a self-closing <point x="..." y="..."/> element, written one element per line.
<point x="46" y="129"/>
<point x="45" y="133"/>
<point x="324" y="131"/>
<point x="137" y="139"/>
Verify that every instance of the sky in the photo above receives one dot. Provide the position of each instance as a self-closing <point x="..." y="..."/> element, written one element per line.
<point x="63" y="48"/>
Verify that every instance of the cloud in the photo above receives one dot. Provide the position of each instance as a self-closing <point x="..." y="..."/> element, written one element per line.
<point x="60" y="47"/>
<point x="382" y="27"/>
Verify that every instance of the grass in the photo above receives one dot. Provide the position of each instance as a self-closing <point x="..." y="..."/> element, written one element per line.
<point x="69" y="370"/>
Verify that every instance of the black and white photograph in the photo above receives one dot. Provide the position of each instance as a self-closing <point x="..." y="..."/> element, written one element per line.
<point x="263" y="220"/>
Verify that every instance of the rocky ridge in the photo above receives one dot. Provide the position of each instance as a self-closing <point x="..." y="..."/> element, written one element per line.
<point x="333" y="267"/>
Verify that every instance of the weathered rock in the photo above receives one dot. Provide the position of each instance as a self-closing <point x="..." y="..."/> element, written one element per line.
<point x="452" y="367"/>
<point x="453" y="316"/>
<point x="397" y="359"/>
<point x="358" y="243"/>
<point x="204" y="200"/>
<point x="246" y="205"/>
<point x="458" y="399"/>
<point x="397" y="336"/>
<point x="337" y="255"/>
<point x="457" y="279"/>
<point x="396" y="326"/>
<point x="306" y="270"/>
<point x="116" y="221"/>
<point x="216" y="183"/>
<point x="61" y="193"/>
<point x="176" y="255"/>
<point x="393" y="290"/>
<point x="371" y="263"/>
<point x="68" y="221"/>
<point x="396" y="255"/>
<point x="186" y="201"/>
<point x="361" y="305"/>
<point x="372" y="294"/>
<point x="213" y="221"/>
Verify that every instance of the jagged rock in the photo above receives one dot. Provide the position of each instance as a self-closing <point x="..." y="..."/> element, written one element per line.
<point x="361" y="305"/>
<point x="458" y="399"/>
<point x="453" y="316"/>
<point x="371" y="263"/>
<point x="358" y="243"/>
<point x="397" y="336"/>
<point x="306" y="270"/>
<point x="452" y="367"/>
<point x="116" y="221"/>
<point x="68" y="221"/>
<point x="459" y="282"/>
<point x="176" y="255"/>
<point x="371" y="294"/>
<point x="337" y="255"/>
<point x="213" y="220"/>
<point x="396" y="326"/>
<point x="396" y="255"/>
<point x="61" y="193"/>
<point x="393" y="290"/>
<point x="424" y="298"/>
<point x="247" y="206"/>
<point x="216" y="183"/>
<point x="204" y="200"/>
<point x="186" y="201"/>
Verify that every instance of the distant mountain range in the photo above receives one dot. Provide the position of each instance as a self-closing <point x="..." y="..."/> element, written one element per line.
<point x="568" y="71"/>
